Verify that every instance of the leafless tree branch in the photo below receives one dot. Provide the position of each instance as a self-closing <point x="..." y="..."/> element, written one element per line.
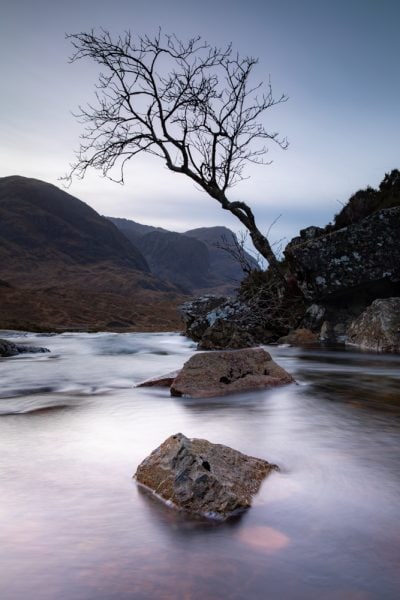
<point x="192" y="104"/>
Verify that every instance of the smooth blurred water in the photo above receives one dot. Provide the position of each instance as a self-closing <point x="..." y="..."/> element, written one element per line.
<point x="74" y="525"/>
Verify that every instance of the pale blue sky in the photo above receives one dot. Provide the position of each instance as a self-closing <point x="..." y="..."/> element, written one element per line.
<point x="337" y="61"/>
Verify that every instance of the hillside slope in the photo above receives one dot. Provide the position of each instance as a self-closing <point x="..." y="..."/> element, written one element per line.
<point x="63" y="266"/>
<point x="191" y="260"/>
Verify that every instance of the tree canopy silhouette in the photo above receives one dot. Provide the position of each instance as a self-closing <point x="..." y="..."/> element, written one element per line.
<point x="189" y="103"/>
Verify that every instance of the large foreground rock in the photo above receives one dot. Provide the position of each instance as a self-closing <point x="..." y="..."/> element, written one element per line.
<point x="203" y="478"/>
<point x="378" y="327"/>
<point x="209" y="374"/>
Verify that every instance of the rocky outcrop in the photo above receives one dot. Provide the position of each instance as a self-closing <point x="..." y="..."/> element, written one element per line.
<point x="378" y="327"/>
<point x="341" y="271"/>
<point x="203" y="478"/>
<point x="217" y="322"/>
<point x="210" y="374"/>
<point x="362" y="258"/>
<point x="10" y="349"/>
<point x="195" y="314"/>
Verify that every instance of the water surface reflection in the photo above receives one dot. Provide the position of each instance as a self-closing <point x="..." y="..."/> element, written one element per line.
<point x="74" y="526"/>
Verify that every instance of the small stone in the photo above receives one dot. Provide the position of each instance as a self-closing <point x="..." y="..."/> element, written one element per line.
<point x="197" y="476"/>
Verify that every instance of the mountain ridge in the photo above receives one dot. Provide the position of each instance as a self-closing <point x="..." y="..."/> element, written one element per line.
<point x="194" y="260"/>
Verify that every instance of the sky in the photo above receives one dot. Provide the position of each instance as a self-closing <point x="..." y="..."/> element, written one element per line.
<point x="337" y="61"/>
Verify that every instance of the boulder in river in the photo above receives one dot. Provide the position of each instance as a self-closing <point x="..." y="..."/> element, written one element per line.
<point x="378" y="327"/>
<point x="208" y="374"/>
<point x="203" y="478"/>
<point x="8" y="348"/>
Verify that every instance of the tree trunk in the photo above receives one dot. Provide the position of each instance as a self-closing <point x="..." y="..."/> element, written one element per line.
<point x="263" y="246"/>
<point x="245" y="215"/>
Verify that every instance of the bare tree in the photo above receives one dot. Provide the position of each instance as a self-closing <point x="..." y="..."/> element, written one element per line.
<point x="189" y="103"/>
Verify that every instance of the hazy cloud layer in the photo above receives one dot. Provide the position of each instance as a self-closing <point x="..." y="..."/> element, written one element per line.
<point x="338" y="62"/>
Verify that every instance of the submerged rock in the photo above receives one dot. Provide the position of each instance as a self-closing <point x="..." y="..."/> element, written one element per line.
<point x="220" y="373"/>
<point x="8" y="348"/>
<point x="203" y="478"/>
<point x="378" y="327"/>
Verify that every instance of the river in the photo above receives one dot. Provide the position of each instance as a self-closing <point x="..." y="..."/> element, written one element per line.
<point x="75" y="526"/>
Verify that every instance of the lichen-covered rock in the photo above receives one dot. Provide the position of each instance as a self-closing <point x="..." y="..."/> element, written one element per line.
<point x="194" y="314"/>
<point x="203" y="478"/>
<point x="378" y="327"/>
<point x="363" y="256"/>
<point x="219" y="373"/>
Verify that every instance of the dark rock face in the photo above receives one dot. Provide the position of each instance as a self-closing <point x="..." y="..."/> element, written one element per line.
<point x="364" y="256"/>
<point x="211" y="374"/>
<point x="10" y="349"/>
<point x="225" y="334"/>
<point x="203" y="478"/>
<point x="195" y="314"/>
<point x="378" y="327"/>
<point x="217" y="323"/>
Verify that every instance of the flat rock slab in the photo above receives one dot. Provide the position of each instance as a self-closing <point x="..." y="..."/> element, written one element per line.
<point x="203" y="478"/>
<point x="209" y="374"/>
<point x="165" y="380"/>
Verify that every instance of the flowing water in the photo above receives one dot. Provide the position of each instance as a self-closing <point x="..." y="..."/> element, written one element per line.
<point x="75" y="526"/>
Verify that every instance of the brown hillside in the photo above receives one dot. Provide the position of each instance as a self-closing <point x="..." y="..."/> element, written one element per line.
<point x="63" y="266"/>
